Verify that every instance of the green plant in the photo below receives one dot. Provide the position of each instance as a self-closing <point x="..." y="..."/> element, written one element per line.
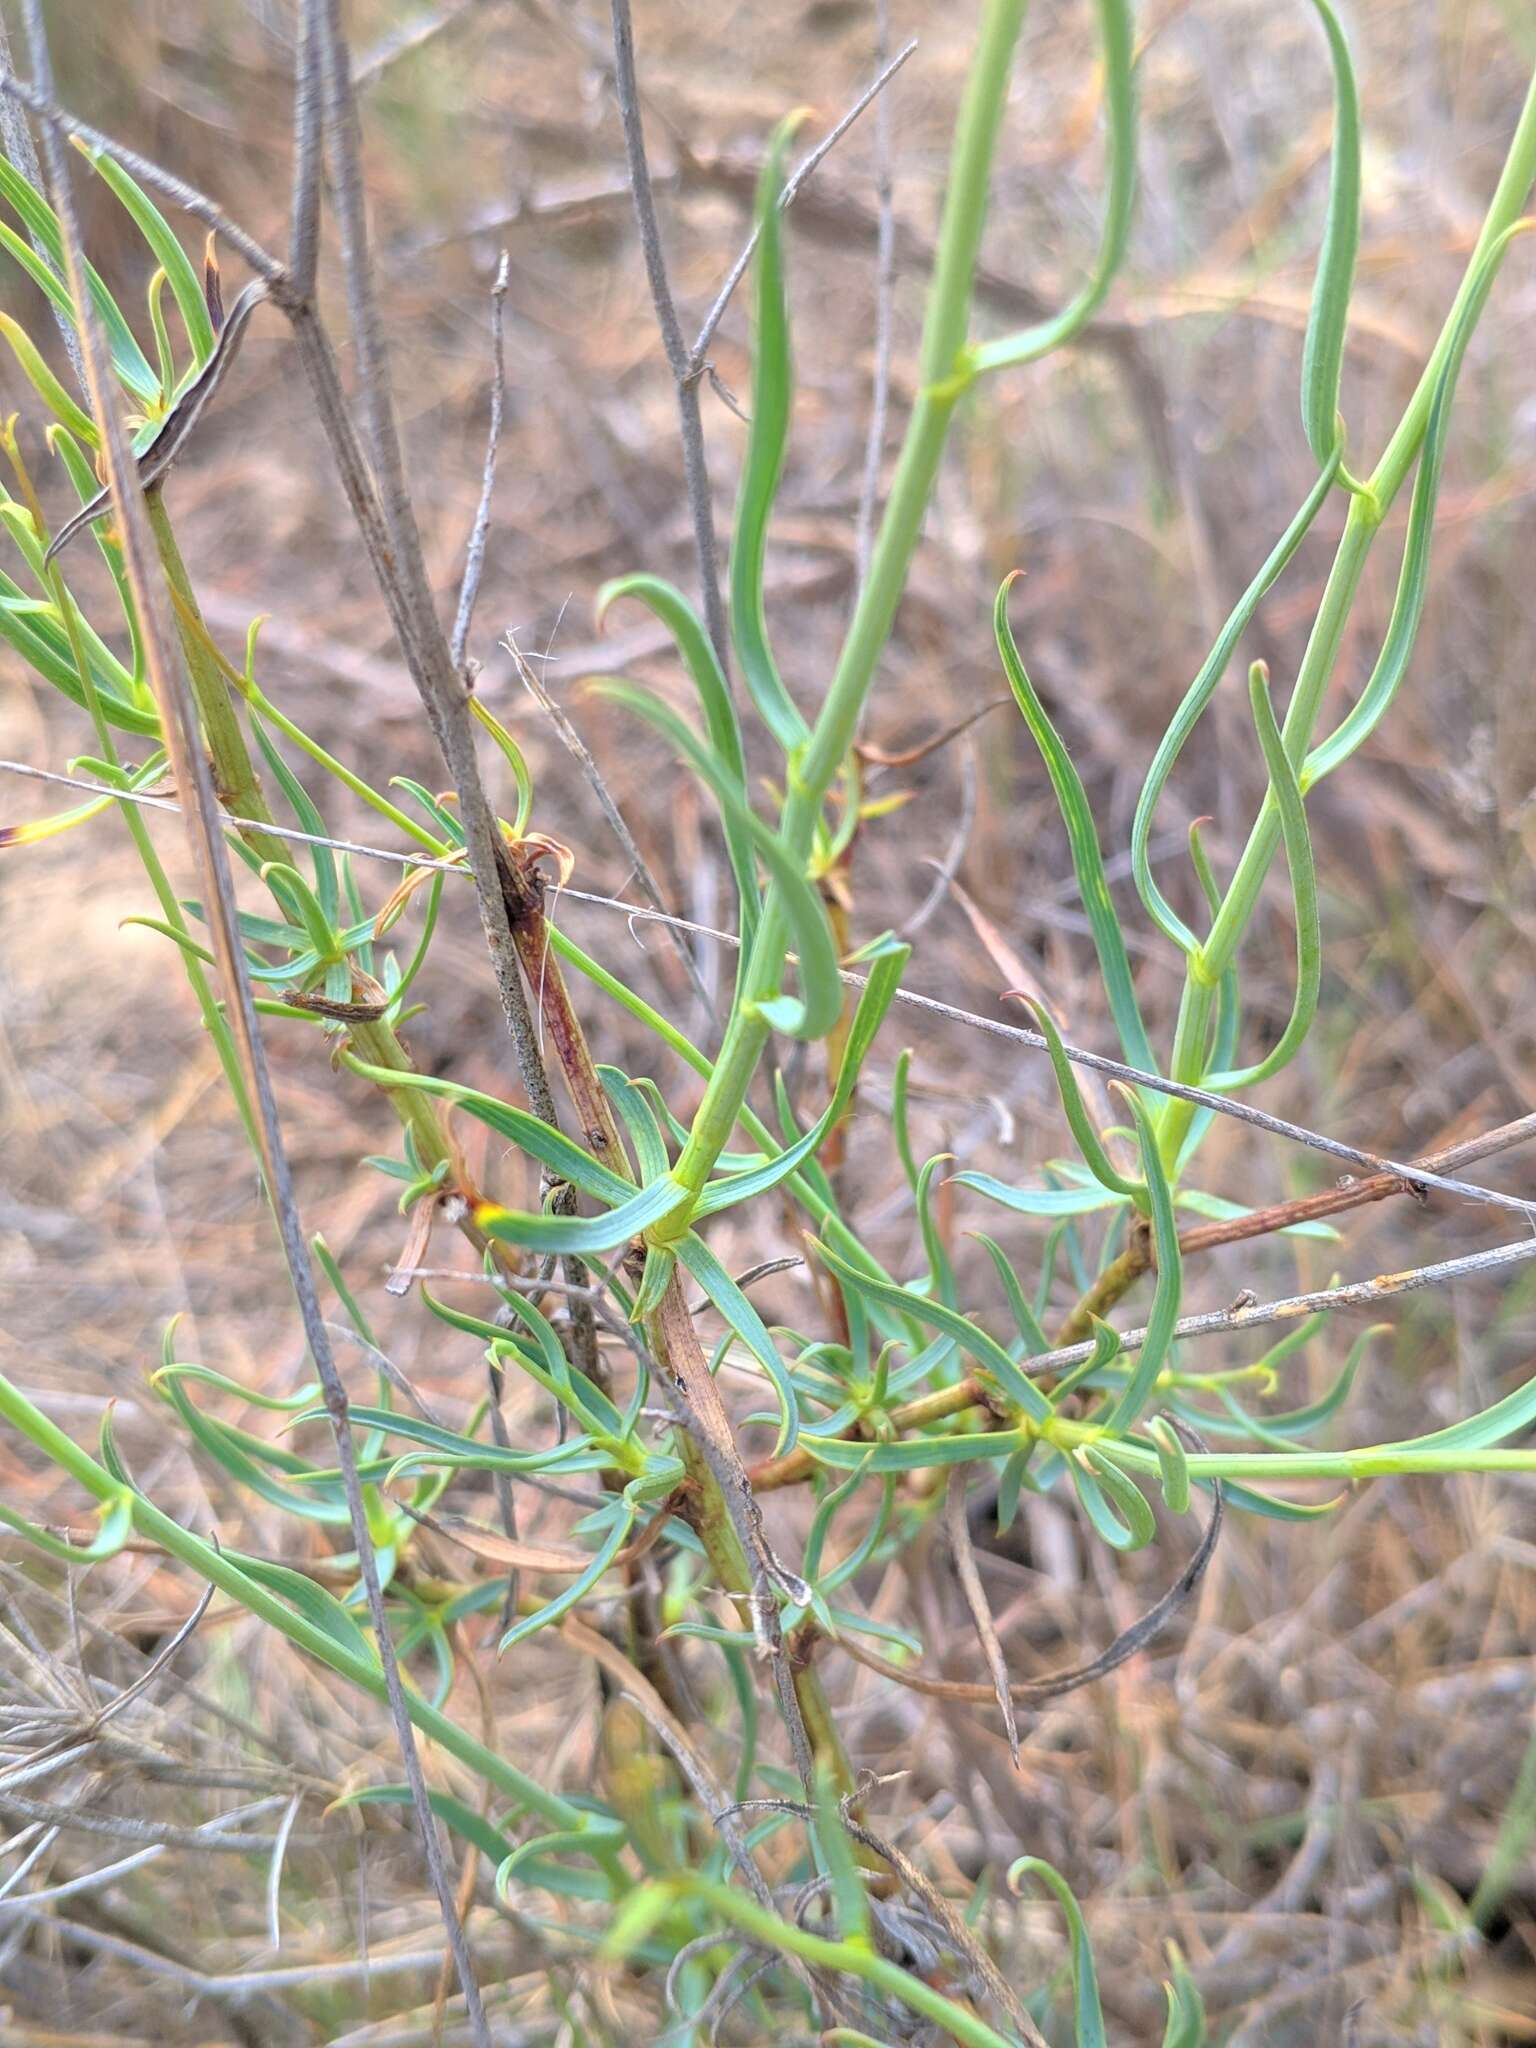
<point x="890" y="1410"/>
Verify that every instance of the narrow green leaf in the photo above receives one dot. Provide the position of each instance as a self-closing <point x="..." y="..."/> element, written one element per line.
<point x="583" y="1234"/>
<point x="540" y="1140"/>
<point x="1303" y="872"/>
<point x="302" y="906"/>
<point x="1030" y="1331"/>
<point x="1186" y="2008"/>
<point x="572" y="1595"/>
<point x="639" y="1121"/>
<point x="821" y="1001"/>
<point x="45" y="384"/>
<point x="1118" y="42"/>
<point x="743" y="1319"/>
<point x="693" y="644"/>
<point x="1113" y="1504"/>
<point x="462" y="1451"/>
<point x="116" y="1528"/>
<point x="1173" y="1463"/>
<point x="913" y="1453"/>
<point x="186" y="285"/>
<point x="971" y="1338"/>
<point x="1090" y="1144"/>
<point x="1164" y="1313"/>
<point x="1082" y="835"/>
<point x="1087" y="2011"/>
<point x="1413" y="578"/>
<point x="875" y="999"/>
<point x="40" y="642"/>
<point x="40" y="220"/>
<point x="470" y="1826"/>
<point x="1039" y="1201"/>
<point x="1322" y="356"/>
<point x="327" y="888"/>
<point x="763" y="465"/>
<point x="849" y="1898"/>
<point x="316" y="1605"/>
<point x="1196" y="698"/>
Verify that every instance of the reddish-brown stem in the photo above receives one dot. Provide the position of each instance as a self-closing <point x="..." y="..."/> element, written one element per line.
<point x="975" y="1392"/>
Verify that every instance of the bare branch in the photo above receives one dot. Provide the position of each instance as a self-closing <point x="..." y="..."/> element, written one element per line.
<point x="1036" y="1691"/>
<point x="16" y="141"/>
<point x="580" y="752"/>
<point x="797" y="178"/>
<point x="194" y="779"/>
<point x="957" y="1530"/>
<point x="474" y="554"/>
<point x="148" y="172"/>
<point x="308" y="155"/>
<point x="682" y="365"/>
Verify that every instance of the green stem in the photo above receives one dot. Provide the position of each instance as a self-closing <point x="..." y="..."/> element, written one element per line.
<point x="1367" y="509"/>
<point x="856" y="1958"/>
<point x="944" y="374"/>
<point x="237" y="781"/>
<point x="220" y="1570"/>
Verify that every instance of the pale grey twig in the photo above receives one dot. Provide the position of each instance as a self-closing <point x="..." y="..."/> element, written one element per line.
<point x="233" y="1984"/>
<point x="581" y="753"/>
<point x="1353" y="1294"/>
<point x="163" y="1656"/>
<point x="388" y="527"/>
<point x="41" y="102"/>
<point x="474" y="554"/>
<point x="946" y="869"/>
<point x="212" y="1835"/>
<point x="308" y="154"/>
<point x="16" y="141"/>
<point x="441" y="693"/>
<point x="1240" y="1112"/>
<point x="93" y="1880"/>
<point x="683" y="365"/>
<point x="957" y="1531"/>
<point x="194" y="779"/>
<point x="796" y="179"/>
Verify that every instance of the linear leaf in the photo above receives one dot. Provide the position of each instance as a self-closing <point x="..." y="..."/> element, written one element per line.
<point x="874" y="1001"/>
<point x="1087" y="2011"/>
<point x="1322" y="355"/>
<point x="1413" y="578"/>
<point x="763" y="465"/>
<point x="1164" y="1313"/>
<point x="540" y="1140"/>
<point x="693" y="644"/>
<point x="821" y="1002"/>
<point x="1198" y="695"/>
<point x="40" y="220"/>
<point x="583" y="1234"/>
<point x="971" y="1338"/>
<point x="1303" y="872"/>
<point x="1117" y="39"/>
<point x="1082" y="835"/>
<point x="744" y="1320"/>
<point x="186" y="285"/>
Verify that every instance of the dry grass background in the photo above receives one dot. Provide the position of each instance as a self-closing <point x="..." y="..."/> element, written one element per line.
<point x="1300" y="1782"/>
